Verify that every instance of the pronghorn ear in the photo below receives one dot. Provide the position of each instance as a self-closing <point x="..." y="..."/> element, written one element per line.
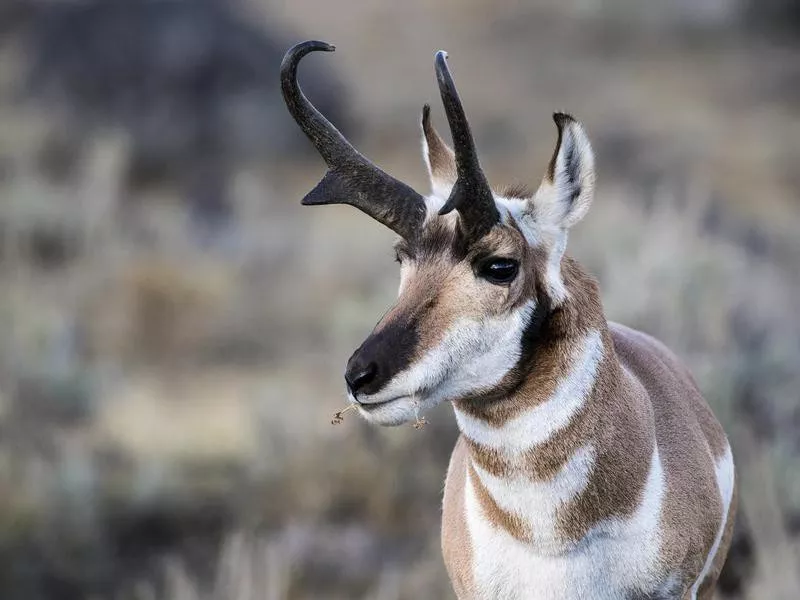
<point x="568" y="186"/>
<point x="439" y="158"/>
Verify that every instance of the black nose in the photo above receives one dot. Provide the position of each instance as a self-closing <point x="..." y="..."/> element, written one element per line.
<point x="358" y="375"/>
<point x="384" y="354"/>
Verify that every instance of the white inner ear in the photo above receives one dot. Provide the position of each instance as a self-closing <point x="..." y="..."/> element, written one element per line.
<point x="555" y="283"/>
<point x="561" y="202"/>
<point x="440" y="186"/>
<point x="569" y="195"/>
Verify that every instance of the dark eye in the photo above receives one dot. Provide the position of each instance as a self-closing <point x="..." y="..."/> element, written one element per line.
<point x="499" y="271"/>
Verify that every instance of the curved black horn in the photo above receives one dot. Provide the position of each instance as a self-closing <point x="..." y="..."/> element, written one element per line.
<point x="351" y="178"/>
<point x="471" y="195"/>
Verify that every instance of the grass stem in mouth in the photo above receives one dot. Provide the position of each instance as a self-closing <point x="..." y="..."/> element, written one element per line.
<point x="419" y="422"/>
<point x="338" y="417"/>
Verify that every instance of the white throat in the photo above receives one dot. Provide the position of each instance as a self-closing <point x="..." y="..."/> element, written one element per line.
<point x="539" y="423"/>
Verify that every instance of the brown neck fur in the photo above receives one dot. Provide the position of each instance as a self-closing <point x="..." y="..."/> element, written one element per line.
<point x="546" y="360"/>
<point x="613" y="419"/>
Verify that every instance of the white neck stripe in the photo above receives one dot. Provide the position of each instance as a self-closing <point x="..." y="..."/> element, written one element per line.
<point x="541" y="422"/>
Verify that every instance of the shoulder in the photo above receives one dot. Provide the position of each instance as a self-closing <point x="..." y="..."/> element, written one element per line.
<point x="638" y="349"/>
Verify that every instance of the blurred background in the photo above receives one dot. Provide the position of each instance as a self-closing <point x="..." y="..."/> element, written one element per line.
<point x="174" y="326"/>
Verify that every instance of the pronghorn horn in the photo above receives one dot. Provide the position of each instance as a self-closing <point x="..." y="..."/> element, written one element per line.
<point x="351" y="178"/>
<point x="471" y="195"/>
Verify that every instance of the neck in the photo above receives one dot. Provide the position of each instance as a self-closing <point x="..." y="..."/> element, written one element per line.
<point x="542" y="455"/>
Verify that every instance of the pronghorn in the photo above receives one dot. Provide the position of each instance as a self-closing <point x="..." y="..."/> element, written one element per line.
<point x="588" y="465"/>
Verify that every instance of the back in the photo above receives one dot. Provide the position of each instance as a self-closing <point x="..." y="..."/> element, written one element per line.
<point x="697" y="461"/>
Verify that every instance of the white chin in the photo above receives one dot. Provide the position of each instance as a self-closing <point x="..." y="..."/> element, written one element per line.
<point x="394" y="412"/>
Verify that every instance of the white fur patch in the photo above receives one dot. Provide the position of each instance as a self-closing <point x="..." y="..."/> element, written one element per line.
<point x="537" y="502"/>
<point x="555" y="283"/>
<point x="519" y="210"/>
<point x="433" y="204"/>
<point x="539" y="423"/>
<point x="473" y="356"/>
<point x="556" y="203"/>
<point x="725" y="482"/>
<point x="440" y="188"/>
<point x="601" y="566"/>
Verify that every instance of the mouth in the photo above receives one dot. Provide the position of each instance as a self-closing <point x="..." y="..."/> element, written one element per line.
<point x="392" y="412"/>
<point x="368" y="406"/>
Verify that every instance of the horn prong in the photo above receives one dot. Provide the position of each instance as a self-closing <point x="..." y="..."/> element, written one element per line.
<point x="351" y="178"/>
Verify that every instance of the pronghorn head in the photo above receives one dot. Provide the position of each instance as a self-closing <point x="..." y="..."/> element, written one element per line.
<point x="480" y="271"/>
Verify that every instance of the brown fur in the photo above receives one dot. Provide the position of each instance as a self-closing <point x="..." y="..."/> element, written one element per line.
<point x="706" y="591"/>
<point x="642" y="395"/>
<point x="442" y="286"/>
<point x="456" y="543"/>
<point x="512" y="523"/>
<point x="533" y="384"/>
<point x="518" y="190"/>
<point x="641" y="398"/>
<point x="690" y="526"/>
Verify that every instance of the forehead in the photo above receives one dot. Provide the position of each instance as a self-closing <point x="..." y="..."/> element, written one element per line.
<point x="441" y="237"/>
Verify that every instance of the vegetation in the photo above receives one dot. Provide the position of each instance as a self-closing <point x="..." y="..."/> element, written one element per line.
<point x="167" y="386"/>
